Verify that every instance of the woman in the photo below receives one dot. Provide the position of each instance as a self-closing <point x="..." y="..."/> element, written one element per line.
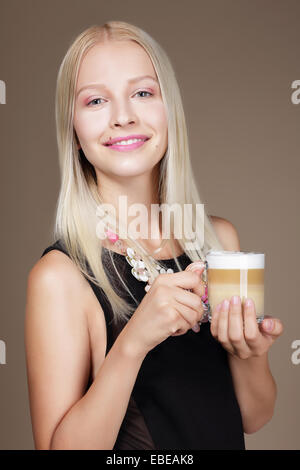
<point x="113" y="363"/>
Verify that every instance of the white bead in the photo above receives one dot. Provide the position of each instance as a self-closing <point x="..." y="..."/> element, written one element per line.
<point x="140" y="264"/>
<point x="147" y="287"/>
<point x="170" y="271"/>
<point x="130" y="252"/>
<point x="162" y="271"/>
<point x="130" y="261"/>
<point x="144" y="277"/>
<point x="135" y="274"/>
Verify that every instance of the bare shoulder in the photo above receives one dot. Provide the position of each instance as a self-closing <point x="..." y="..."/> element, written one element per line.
<point x="55" y="267"/>
<point x="55" y="278"/>
<point x="56" y="273"/>
<point x="59" y="347"/>
<point x="226" y="232"/>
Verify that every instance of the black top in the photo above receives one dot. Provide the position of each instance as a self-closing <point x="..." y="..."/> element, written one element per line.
<point x="183" y="397"/>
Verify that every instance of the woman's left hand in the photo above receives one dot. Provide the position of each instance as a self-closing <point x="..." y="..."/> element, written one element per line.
<point x="236" y="328"/>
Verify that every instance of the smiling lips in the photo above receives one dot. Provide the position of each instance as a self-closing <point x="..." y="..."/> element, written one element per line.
<point x="127" y="143"/>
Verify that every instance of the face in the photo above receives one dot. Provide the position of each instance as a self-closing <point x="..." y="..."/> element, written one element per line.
<point x="115" y="104"/>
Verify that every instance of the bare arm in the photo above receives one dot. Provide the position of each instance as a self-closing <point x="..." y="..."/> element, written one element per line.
<point x="94" y="421"/>
<point x="58" y="363"/>
<point x="255" y="389"/>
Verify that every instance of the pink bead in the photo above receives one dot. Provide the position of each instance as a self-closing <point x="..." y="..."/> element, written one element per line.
<point x="113" y="237"/>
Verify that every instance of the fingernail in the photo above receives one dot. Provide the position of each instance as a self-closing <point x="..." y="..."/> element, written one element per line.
<point x="196" y="265"/>
<point x="235" y="299"/>
<point x="218" y="307"/>
<point x="225" y="304"/>
<point x="248" y="303"/>
<point x="269" y="325"/>
<point x="199" y="264"/>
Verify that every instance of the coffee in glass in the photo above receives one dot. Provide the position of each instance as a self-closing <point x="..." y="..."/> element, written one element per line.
<point x="236" y="273"/>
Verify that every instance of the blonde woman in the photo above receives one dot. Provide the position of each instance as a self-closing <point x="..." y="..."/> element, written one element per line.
<point x="116" y="358"/>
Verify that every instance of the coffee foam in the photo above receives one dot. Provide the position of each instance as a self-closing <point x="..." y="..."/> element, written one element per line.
<point x="235" y="260"/>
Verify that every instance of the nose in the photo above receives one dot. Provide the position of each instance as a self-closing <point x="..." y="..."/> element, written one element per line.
<point x="122" y="115"/>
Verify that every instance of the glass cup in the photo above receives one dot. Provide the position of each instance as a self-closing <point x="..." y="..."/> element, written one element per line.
<point x="235" y="273"/>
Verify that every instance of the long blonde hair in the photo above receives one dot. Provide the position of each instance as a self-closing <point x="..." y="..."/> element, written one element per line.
<point x="79" y="199"/>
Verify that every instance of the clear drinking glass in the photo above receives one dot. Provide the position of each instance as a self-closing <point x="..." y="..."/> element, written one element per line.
<point x="236" y="273"/>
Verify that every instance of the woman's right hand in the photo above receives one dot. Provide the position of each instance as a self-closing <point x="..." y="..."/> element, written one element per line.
<point x="168" y="309"/>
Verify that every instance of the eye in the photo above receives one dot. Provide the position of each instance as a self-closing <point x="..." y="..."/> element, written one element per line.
<point x="95" y="99"/>
<point x="138" y="92"/>
<point x="144" y="91"/>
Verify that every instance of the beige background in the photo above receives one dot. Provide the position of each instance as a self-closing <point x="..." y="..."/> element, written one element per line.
<point x="235" y="62"/>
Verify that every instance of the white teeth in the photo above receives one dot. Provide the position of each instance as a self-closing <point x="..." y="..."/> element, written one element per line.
<point x="127" y="142"/>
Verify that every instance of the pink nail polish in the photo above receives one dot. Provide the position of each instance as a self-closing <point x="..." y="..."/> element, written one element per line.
<point x="199" y="264"/>
<point x="225" y="304"/>
<point x="198" y="272"/>
<point x="196" y="328"/>
<point x="269" y="325"/>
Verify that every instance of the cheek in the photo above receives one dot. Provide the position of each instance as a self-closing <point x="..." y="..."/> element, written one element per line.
<point x="156" y="116"/>
<point x="89" y="126"/>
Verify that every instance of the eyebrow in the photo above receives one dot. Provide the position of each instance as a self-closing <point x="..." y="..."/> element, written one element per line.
<point x="100" y="85"/>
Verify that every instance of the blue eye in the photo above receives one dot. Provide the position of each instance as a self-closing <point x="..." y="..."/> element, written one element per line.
<point x="144" y="91"/>
<point x="95" y="99"/>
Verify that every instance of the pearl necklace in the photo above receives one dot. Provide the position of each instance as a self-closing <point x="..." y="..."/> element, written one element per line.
<point x="141" y="273"/>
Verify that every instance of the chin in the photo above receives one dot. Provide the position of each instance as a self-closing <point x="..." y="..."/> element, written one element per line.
<point x="131" y="170"/>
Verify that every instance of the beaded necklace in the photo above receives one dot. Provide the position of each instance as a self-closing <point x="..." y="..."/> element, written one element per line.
<point x="141" y="273"/>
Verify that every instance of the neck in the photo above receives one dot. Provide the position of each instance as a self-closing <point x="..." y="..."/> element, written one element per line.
<point x="132" y="199"/>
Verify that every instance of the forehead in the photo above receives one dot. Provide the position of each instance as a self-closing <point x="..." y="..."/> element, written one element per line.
<point x="114" y="61"/>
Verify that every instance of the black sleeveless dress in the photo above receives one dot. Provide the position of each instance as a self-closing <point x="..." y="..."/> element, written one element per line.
<point x="183" y="397"/>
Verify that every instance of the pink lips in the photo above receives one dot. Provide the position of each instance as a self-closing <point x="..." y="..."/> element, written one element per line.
<point x="128" y="147"/>
<point x="115" y="140"/>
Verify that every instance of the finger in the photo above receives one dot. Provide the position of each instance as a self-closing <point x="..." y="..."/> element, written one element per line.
<point x="196" y="328"/>
<point x="185" y="279"/>
<point x="272" y="327"/>
<point x="195" y="265"/>
<point x="253" y="336"/>
<point x="199" y="268"/>
<point x="190" y="315"/>
<point x="189" y="299"/>
<point x="223" y="326"/>
<point x="181" y="326"/>
<point x="199" y="289"/>
<point x="236" y="327"/>
<point x="251" y="330"/>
